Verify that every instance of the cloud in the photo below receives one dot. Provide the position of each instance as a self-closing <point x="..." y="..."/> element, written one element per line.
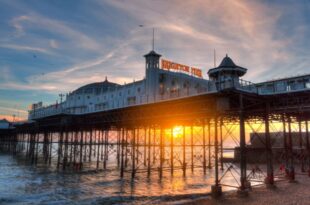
<point x="13" y="118"/>
<point x="245" y="30"/>
<point x="245" y="35"/>
<point x="53" y="26"/>
<point x="17" y="24"/>
<point x="15" y="110"/>
<point x="25" y="48"/>
<point x="186" y="32"/>
<point x="6" y="74"/>
<point x="10" y="113"/>
<point x="53" y="43"/>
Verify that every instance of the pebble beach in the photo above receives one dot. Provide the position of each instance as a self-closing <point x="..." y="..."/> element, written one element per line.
<point x="285" y="193"/>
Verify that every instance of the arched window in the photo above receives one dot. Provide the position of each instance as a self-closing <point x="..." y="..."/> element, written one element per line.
<point x="173" y="82"/>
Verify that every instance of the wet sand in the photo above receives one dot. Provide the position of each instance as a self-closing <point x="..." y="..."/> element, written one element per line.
<point x="285" y="193"/>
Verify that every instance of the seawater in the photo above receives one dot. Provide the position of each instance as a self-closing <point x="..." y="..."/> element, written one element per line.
<point x="21" y="183"/>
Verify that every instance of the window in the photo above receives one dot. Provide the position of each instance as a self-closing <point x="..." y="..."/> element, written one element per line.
<point x="173" y="82"/>
<point x="161" y="78"/>
<point x="88" y="90"/>
<point x="97" y="91"/>
<point x="131" y="100"/>
<point x="307" y="83"/>
<point x="290" y="85"/>
<point x="280" y="86"/>
<point x="198" y="88"/>
<point x="161" y="89"/>
<point x="138" y="89"/>
<point x="269" y="87"/>
<point x="186" y="84"/>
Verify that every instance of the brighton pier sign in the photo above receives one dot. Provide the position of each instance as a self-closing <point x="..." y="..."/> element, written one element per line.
<point x="169" y="65"/>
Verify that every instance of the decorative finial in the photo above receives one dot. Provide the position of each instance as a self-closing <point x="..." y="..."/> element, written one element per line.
<point x="226" y="55"/>
<point x="153" y="40"/>
<point x="106" y="78"/>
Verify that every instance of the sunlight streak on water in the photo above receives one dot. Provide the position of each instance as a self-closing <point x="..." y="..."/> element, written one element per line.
<point x="24" y="184"/>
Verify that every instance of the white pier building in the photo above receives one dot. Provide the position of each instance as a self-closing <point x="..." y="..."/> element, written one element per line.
<point x="163" y="81"/>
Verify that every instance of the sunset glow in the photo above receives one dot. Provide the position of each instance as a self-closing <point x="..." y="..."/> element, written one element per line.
<point x="177" y="132"/>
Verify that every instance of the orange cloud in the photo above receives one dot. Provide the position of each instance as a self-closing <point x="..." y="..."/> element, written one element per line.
<point x="11" y="118"/>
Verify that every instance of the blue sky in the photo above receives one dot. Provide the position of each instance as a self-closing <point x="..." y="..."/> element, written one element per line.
<point x="52" y="47"/>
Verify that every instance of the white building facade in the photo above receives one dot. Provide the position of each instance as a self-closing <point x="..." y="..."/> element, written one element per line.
<point x="160" y="85"/>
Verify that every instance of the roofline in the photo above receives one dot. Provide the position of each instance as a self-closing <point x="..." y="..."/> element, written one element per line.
<point x="152" y="53"/>
<point x="284" y="78"/>
<point x="227" y="67"/>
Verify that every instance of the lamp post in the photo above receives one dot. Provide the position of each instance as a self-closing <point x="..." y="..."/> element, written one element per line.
<point x="61" y="96"/>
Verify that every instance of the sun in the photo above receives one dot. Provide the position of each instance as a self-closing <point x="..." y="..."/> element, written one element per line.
<point x="177" y="132"/>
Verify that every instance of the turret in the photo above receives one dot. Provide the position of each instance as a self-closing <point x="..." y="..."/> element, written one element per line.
<point x="152" y="59"/>
<point x="151" y="74"/>
<point x="227" y="74"/>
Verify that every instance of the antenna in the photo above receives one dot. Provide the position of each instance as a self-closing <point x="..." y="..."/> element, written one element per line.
<point x="214" y="58"/>
<point x="153" y="41"/>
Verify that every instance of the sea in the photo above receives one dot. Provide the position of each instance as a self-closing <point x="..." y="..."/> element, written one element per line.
<point x="22" y="183"/>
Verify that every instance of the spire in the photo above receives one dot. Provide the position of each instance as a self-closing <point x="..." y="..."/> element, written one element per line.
<point x="153" y="40"/>
<point x="227" y="62"/>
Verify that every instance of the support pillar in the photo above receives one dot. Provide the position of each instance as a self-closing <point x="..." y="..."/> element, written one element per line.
<point x="118" y="148"/>
<point x="65" y="158"/>
<point x="216" y="189"/>
<point x="149" y="153"/>
<point x="133" y="153"/>
<point x="308" y="146"/>
<point x="244" y="185"/>
<point x="221" y="143"/>
<point x="122" y="152"/>
<point x="51" y="149"/>
<point x="184" y="152"/>
<point x="105" y="157"/>
<point x="192" y="148"/>
<point x="269" y="180"/>
<point x="144" y="147"/>
<point x="285" y="147"/>
<point x="204" y="163"/>
<point x="90" y="144"/>
<point x="301" y="152"/>
<point x="81" y="151"/>
<point x="161" y="154"/>
<point x="98" y="148"/>
<point x="209" y="144"/>
<point x="60" y="141"/>
<point x="291" y="169"/>
<point x="171" y="152"/>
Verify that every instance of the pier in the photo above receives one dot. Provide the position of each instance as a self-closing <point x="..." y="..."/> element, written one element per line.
<point x="187" y="134"/>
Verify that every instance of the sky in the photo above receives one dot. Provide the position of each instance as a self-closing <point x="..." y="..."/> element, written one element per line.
<point x="54" y="46"/>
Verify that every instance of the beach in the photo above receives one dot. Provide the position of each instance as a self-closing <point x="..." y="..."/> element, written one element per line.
<point x="285" y="193"/>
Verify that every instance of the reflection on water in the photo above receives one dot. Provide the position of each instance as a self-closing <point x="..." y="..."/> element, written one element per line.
<point x="23" y="184"/>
